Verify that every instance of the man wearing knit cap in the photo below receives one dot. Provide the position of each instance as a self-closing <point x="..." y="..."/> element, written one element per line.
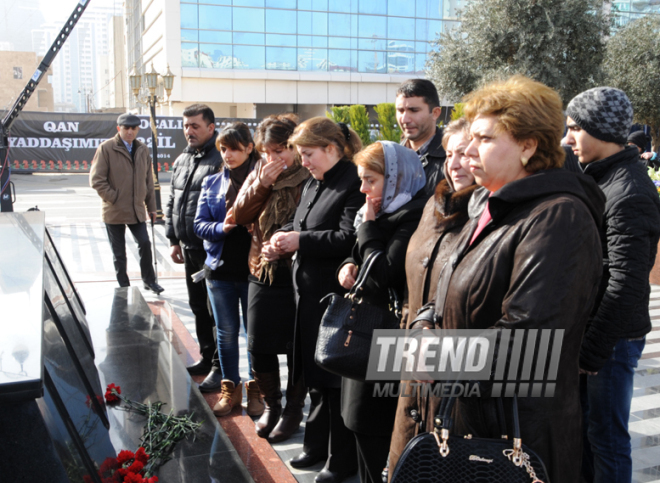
<point x="598" y="122"/>
<point x="641" y="140"/>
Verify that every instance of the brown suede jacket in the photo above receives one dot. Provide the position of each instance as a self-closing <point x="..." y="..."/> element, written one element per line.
<point x="249" y="205"/>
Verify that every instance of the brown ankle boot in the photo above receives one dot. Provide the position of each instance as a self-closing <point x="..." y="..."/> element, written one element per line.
<point x="269" y="384"/>
<point x="255" y="404"/>
<point x="231" y="396"/>
<point x="292" y="414"/>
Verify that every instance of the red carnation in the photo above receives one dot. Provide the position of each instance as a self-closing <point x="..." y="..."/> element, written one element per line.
<point x="141" y="455"/>
<point x="153" y="479"/>
<point x="136" y="467"/>
<point x="125" y="456"/>
<point x="111" y="394"/>
<point x="132" y="478"/>
<point x="110" y="464"/>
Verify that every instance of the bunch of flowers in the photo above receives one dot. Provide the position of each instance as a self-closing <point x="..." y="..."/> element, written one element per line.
<point x="127" y="467"/>
<point x="655" y="176"/>
<point x="161" y="433"/>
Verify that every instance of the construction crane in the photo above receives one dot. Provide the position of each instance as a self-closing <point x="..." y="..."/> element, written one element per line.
<point x="6" y="186"/>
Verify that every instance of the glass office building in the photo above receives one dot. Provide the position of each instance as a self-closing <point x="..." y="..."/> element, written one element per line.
<point x="365" y="36"/>
<point x="627" y="11"/>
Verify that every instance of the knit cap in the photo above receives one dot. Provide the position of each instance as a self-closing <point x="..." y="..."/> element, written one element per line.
<point x="638" y="138"/>
<point x="604" y="112"/>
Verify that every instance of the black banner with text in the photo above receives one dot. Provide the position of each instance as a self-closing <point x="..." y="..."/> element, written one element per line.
<point x="61" y="142"/>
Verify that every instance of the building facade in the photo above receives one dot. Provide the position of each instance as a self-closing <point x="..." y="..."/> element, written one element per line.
<point x="629" y="10"/>
<point x="82" y="69"/>
<point x="251" y="58"/>
<point x="16" y="69"/>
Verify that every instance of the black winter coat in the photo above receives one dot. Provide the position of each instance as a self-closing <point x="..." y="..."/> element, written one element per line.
<point x="190" y="169"/>
<point x="536" y="265"/>
<point x="324" y="218"/>
<point x="629" y="239"/>
<point x="433" y="162"/>
<point x="390" y="233"/>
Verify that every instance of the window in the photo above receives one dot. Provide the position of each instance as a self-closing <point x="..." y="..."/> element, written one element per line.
<point x="249" y="57"/>
<point x="375" y="36"/>
<point x="214" y="18"/>
<point x="280" y="58"/>
<point x="280" y="21"/>
<point x="18" y="72"/>
<point x="189" y="16"/>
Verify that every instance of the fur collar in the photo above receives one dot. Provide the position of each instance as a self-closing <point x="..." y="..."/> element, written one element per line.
<point x="451" y="206"/>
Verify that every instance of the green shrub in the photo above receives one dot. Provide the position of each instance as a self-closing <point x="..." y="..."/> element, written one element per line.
<point x="389" y="129"/>
<point x="339" y="114"/>
<point x="360" y="122"/>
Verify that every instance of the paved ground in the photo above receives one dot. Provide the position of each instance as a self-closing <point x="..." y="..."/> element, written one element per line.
<point x="73" y="218"/>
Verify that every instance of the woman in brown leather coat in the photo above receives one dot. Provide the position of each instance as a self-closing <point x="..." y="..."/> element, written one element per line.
<point x="444" y="216"/>
<point x="529" y="258"/>
<point x="265" y="203"/>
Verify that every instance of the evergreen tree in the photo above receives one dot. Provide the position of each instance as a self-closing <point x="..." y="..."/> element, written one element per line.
<point x="360" y="123"/>
<point x="389" y="129"/>
<point x="558" y="42"/>
<point x="632" y="63"/>
<point x="339" y="114"/>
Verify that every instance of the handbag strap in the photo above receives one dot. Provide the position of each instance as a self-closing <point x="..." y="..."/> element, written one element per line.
<point x="444" y="419"/>
<point x="363" y="274"/>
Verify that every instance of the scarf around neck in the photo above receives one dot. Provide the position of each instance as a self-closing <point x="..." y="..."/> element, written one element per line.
<point x="281" y="204"/>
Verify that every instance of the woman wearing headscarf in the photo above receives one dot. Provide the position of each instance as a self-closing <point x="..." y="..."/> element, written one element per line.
<point x="266" y="202"/>
<point x="392" y="180"/>
<point x="322" y="235"/>
<point x="445" y="215"/>
<point x="529" y="258"/>
<point x="227" y="247"/>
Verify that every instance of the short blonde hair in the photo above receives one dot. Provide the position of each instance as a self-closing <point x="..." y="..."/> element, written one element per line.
<point x="321" y="132"/>
<point x="460" y="125"/>
<point x="372" y="158"/>
<point x="525" y="109"/>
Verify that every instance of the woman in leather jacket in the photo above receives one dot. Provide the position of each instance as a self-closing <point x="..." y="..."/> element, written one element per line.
<point x="266" y="202"/>
<point x="528" y="258"/>
<point x="444" y="216"/>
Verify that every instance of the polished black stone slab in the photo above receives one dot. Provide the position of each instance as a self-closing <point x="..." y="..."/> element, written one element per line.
<point x="21" y="292"/>
<point x="65" y="285"/>
<point x="134" y="352"/>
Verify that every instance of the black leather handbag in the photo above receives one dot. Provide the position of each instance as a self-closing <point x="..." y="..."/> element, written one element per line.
<point x="440" y="458"/>
<point x="347" y="327"/>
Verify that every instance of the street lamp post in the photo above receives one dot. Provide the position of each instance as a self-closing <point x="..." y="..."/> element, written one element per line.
<point x="150" y="80"/>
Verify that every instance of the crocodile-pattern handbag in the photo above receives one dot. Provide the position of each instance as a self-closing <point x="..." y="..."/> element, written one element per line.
<point x="438" y="457"/>
<point x="347" y="327"/>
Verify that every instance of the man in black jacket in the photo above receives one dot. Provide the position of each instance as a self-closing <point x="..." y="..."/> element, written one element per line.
<point x="199" y="160"/>
<point x="417" y="112"/>
<point x="598" y="122"/>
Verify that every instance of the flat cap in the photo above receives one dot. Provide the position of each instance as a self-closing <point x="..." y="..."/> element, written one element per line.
<point x="128" y="120"/>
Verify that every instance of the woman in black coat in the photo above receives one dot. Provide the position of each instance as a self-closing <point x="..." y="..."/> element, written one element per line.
<point x="322" y="235"/>
<point x="393" y="180"/>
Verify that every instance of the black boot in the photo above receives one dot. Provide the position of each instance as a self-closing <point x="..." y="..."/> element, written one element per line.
<point x="293" y="412"/>
<point x="269" y="385"/>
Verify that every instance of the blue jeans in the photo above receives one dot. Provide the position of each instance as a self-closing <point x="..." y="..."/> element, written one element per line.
<point x="224" y="298"/>
<point x="606" y="401"/>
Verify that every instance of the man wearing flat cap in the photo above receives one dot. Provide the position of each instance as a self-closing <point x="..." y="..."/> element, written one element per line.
<point x="122" y="175"/>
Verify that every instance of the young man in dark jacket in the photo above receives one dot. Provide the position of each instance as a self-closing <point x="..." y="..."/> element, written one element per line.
<point x="598" y="122"/>
<point x="199" y="160"/>
<point x="417" y="112"/>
